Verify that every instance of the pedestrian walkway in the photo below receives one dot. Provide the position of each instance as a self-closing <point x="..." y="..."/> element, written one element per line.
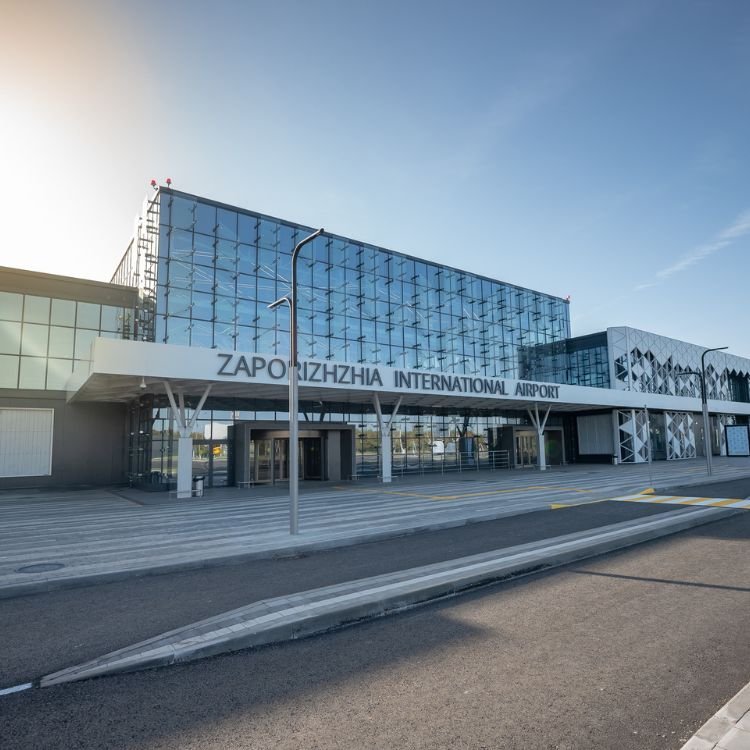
<point x="48" y="539"/>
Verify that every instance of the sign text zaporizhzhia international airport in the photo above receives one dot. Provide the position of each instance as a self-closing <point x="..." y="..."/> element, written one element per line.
<point x="274" y="369"/>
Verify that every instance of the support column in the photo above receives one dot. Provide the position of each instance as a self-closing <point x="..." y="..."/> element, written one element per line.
<point x="539" y="426"/>
<point x="185" y="441"/>
<point x="385" y="438"/>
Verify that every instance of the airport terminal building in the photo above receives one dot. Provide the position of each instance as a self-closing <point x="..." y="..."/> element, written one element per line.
<point x="178" y="366"/>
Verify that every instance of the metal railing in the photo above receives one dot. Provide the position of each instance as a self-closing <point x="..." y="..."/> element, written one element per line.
<point x="442" y="463"/>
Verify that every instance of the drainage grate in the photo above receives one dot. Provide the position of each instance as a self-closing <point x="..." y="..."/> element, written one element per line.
<point x="40" y="568"/>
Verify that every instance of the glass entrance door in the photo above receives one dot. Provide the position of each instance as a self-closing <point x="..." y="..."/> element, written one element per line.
<point x="263" y="464"/>
<point x="280" y="459"/>
<point x="271" y="459"/>
<point x="311" y="458"/>
<point x="526" y="451"/>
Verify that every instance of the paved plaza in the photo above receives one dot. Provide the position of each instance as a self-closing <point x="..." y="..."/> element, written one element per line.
<point x="50" y="539"/>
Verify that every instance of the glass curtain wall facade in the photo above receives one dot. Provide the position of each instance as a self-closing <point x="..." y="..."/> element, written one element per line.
<point x="583" y="360"/>
<point x="43" y="339"/>
<point x="207" y="273"/>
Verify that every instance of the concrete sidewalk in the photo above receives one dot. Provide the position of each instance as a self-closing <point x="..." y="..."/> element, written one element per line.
<point x="52" y="540"/>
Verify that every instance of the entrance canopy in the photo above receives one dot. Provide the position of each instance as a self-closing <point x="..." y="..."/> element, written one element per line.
<point x="121" y="370"/>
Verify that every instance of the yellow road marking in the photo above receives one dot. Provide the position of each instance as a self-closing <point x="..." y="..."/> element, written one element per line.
<point x="693" y="500"/>
<point x="727" y="501"/>
<point x="649" y="491"/>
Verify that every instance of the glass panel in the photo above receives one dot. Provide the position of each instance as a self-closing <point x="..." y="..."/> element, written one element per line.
<point x="178" y="302"/>
<point x="111" y="317"/>
<point x="58" y="372"/>
<point x="10" y="337"/>
<point x="34" y="340"/>
<point x="205" y="218"/>
<point x="36" y="309"/>
<point x="63" y="312"/>
<point x="88" y="315"/>
<point x="33" y="370"/>
<point x="203" y="307"/>
<point x="84" y="340"/>
<point x="11" y="306"/>
<point x="201" y="334"/>
<point x="227" y="221"/>
<point x="8" y="371"/>
<point x="183" y="213"/>
<point x="61" y="342"/>
<point x="247" y="228"/>
<point x="203" y="249"/>
<point x="181" y="245"/>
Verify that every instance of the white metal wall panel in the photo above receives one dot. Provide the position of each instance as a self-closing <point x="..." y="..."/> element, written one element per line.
<point x="595" y="435"/>
<point x="26" y="442"/>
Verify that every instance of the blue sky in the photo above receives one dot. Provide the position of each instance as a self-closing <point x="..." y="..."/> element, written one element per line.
<point x="592" y="149"/>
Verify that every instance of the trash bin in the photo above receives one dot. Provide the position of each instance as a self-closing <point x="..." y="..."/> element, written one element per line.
<point x="615" y="460"/>
<point x="198" y="486"/>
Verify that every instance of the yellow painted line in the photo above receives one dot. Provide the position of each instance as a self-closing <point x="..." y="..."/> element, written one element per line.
<point x="693" y="500"/>
<point x="649" y="491"/>
<point x="663" y="499"/>
<point x="727" y="501"/>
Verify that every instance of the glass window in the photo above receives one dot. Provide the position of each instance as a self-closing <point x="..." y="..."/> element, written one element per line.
<point x="205" y="218"/>
<point x="10" y="337"/>
<point x="58" y="372"/>
<point x="84" y="340"/>
<point x="34" y="340"/>
<point x="111" y="317"/>
<point x="11" y="306"/>
<point x="181" y="245"/>
<point x="201" y="334"/>
<point x="178" y="302"/>
<point x="226" y="255"/>
<point x="178" y="331"/>
<point x="204" y="249"/>
<point x="36" y="309"/>
<point x="226" y="309"/>
<point x="63" y="312"/>
<point x="247" y="229"/>
<point x="246" y="259"/>
<point x="8" y="371"/>
<point x="203" y="308"/>
<point x="203" y="279"/>
<point x="180" y="273"/>
<point x="183" y="216"/>
<point x="225" y="283"/>
<point x="224" y="338"/>
<point x="61" y="342"/>
<point x="88" y="315"/>
<point x="33" y="371"/>
<point x="227" y="221"/>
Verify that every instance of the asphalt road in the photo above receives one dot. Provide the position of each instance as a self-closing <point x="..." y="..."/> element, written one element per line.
<point x="46" y="632"/>
<point x="635" y="649"/>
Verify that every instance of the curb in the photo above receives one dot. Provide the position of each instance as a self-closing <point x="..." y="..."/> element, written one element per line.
<point x="321" y="610"/>
<point x="728" y="728"/>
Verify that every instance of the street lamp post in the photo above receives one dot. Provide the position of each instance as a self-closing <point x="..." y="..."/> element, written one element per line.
<point x="291" y="300"/>
<point x="704" y="400"/>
